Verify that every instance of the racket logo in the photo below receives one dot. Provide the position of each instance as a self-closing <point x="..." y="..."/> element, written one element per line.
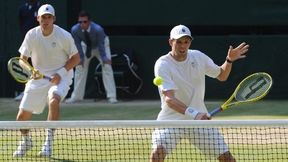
<point x="258" y="84"/>
<point x="18" y="69"/>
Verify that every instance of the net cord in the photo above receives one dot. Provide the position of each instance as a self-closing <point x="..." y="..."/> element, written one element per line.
<point x="139" y="123"/>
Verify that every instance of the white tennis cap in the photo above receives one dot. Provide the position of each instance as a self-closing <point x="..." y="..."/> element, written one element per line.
<point x="180" y="31"/>
<point x="46" y="9"/>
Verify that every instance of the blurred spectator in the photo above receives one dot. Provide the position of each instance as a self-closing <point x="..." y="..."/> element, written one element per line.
<point x="27" y="17"/>
<point x="91" y="41"/>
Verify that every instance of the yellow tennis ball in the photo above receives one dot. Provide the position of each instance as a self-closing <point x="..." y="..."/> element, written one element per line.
<point x="157" y="81"/>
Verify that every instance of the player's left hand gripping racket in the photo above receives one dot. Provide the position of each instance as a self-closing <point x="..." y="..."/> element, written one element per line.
<point x="22" y="71"/>
<point x="251" y="89"/>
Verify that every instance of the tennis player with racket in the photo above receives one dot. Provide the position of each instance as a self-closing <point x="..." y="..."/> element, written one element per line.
<point x="182" y="95"/>
<point x="54" y="55"/>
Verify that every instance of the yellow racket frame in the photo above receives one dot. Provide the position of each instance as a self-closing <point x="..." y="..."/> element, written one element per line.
<point x="228" y="103"/>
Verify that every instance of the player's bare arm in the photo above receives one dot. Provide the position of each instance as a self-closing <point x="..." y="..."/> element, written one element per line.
<point x="232" y="55"/>
<point x="71" y="63"/>
<point x="173" y="102"/>
<point x="179" y="106"/>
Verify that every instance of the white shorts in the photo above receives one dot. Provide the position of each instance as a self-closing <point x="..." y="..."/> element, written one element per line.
<point x="36" y="93"/>
<point x="208" y="140"/>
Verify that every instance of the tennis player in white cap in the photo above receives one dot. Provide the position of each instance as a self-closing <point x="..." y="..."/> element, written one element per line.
<point x="182" y="96"/>
<point x="53" y="53"/>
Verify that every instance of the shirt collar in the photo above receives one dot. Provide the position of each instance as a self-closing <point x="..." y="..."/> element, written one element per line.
<point x="89" y="28"/>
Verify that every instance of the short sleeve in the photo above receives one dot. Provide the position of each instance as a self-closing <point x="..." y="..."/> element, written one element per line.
<point x="161" y="69"/>
<point x="73" y="49"/>
<point x="25" y="48"/>
<point x="211" y="69"/>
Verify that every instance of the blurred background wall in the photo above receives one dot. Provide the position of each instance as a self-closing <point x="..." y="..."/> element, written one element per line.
<point x="144" y="27"/>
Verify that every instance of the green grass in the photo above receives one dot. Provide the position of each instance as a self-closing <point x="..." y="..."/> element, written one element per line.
<point x="90" y="110"/>
<point x="147" y="110"/>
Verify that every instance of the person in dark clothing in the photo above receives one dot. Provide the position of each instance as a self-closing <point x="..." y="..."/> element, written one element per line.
<point x="27" y="19"/>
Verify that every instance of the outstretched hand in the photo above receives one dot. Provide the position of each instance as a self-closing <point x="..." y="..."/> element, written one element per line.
<point x="238" y="52"/>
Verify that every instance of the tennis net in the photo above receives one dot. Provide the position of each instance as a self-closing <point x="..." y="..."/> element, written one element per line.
<point x="114" y="140"/>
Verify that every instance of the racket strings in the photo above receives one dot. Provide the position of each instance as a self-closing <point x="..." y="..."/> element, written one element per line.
<point x="253" y="88"/>
<point x="256" y="87"/>
<point x="19" y="70"/>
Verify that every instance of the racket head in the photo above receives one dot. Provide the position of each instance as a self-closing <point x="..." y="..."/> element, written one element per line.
<point x="20" y="69"/>
<point x="254" y="87"/>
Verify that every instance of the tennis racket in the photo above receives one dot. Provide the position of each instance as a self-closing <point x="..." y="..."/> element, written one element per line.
<point x="22" y="71"/>
<point x="251" y="89"/>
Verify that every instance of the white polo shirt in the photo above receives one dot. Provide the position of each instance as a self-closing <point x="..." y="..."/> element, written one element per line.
<point x="187" y="79"/>
<point x="48" y="53"/>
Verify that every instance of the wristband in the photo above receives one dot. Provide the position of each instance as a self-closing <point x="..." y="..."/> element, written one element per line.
<point x="191" y="112"/>
<point x="62" y="72"/>
<point x="228" y="60"/>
